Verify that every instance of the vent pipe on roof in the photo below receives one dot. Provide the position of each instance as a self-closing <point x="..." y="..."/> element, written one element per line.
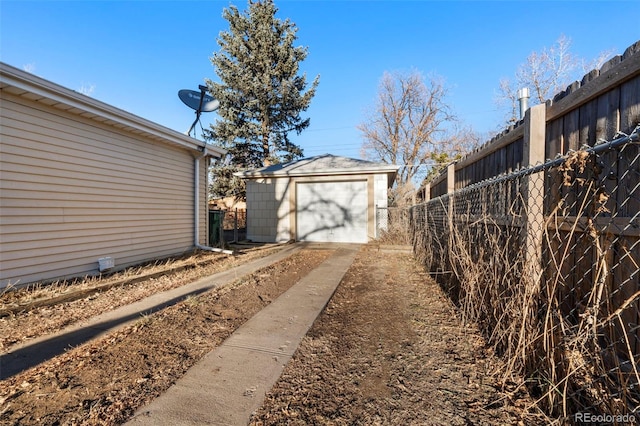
<point x="523" y="98"/>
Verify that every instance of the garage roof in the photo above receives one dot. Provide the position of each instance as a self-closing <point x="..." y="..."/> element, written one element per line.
<point x="29" y="86"/>
<point x="321" y="165"/>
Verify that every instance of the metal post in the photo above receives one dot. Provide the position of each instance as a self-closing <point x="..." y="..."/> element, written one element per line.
<point x="523" y="98"/>
<point x="235" y="226"/>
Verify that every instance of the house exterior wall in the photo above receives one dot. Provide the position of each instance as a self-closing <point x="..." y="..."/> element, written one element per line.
<point x="73" y="190"/>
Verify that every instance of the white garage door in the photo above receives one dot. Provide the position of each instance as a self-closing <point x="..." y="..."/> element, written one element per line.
<point x="332" y="211"/>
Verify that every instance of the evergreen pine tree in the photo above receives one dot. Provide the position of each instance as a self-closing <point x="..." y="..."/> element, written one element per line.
<point x="260" y="90"/>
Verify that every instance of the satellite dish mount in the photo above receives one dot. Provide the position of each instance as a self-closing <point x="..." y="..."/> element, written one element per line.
<point x="199" y="101"/>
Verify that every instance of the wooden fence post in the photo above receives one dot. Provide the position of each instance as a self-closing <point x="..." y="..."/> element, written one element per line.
<point x="451" y="178"/>
<point x="533" y="187"/>
<point x="451" y="187"/>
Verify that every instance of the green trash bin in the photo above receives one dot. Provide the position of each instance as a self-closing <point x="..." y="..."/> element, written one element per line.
<point x="216" y="218"/>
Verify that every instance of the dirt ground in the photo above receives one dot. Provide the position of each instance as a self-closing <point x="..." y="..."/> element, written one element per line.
<point x="104" y="381"/>
<point x="128" y="287"/>
<point x="388" y="349"/>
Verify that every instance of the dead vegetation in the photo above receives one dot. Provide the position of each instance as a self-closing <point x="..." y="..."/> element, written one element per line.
<point x="103" y="381"/>
<point x="389" y="349"/>
<point x="38" y="309"/>
<point x="393" y="225"/>
<point x="563" y="313"/>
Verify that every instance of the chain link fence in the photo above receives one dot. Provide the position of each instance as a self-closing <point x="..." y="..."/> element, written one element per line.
<point x="547" y="261"/>
<point x="392" y="225"/>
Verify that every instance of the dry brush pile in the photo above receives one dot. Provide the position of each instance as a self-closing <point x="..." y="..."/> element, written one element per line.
<point x="546" y="261"/>
<point x="392" y="224"/>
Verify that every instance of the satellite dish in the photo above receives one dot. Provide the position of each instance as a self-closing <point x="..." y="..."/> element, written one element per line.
<point x="191" y="98"/>
<point x="199" y="101"/>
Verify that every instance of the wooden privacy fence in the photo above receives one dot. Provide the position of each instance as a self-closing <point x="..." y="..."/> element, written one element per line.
<point x="603" y="103"/>
<point x="546" y="258"/>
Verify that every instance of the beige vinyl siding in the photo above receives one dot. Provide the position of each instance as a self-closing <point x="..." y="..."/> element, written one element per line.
<point x="73" y="189"/>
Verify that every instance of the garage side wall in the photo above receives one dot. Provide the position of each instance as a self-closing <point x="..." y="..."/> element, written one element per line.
<point x="268" y="210"/>
<point x="73" y="190"/>
<point x="381" y="200"/>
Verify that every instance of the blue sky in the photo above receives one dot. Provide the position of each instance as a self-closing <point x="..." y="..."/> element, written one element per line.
<point x="136" y="55"/>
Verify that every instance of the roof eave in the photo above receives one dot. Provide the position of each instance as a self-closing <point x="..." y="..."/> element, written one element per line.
<point x="21" y="83"/>
<point x="392" y="171"/>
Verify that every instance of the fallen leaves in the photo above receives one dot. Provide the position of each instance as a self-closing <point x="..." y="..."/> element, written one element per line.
<point x="104" y="381"/>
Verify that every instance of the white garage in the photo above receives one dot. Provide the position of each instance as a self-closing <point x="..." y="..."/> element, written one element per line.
<point x="321" y="199"/>
<point x="339" y="218"/>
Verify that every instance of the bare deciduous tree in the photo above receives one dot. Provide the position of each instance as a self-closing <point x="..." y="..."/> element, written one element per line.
<point x="409" y="125"/>
<point x="545" y="73"/>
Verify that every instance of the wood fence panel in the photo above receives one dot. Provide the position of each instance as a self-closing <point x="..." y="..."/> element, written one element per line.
<point x="567" y="295"/>
<point x="502" y="160"/>
<point x="588" y="123"/>
<point x="510" y="159"/>
<point x="477" y="170"/>
<point x="607" y="126"/>
<point x="628" y="180"/>
<point x="550" y="178"/>
<point x="570" y="141"/>
<point x="553" y="143"/>
<point x="630" y="105"/>
<point x="628" y="164"/>
<point x="461" y="180"/>
<point x="468" y="179"/>
<point x="489" y="171"/>
<point x="571" y="131"/>
<point x="518" y="149"/>
<point x="584" y="258"/>
<point x="626" y="275"/>
<point x="439" y="189"/>
<point x="553" y="181"/>
<point x="490" y="168"/>
<point x="626" y="282"/>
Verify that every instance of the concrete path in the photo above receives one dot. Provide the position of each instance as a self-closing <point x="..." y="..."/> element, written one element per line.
<point x="31" y="353"/>
<point x="230" y="382"/>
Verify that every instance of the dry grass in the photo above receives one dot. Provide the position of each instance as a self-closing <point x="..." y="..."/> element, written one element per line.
<point x="103" y="381"/>
<point x="39" y="309"/>
<point x="556" y="314"/>
<point x="388" y="350"/>
<point x="393" y="226"/>
<point x="15" y="299"/>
